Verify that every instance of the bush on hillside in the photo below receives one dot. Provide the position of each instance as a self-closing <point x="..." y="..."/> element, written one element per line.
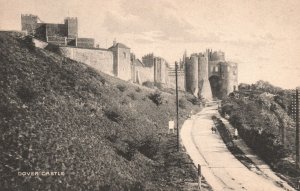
<point x="103" y="81"/>
<point x="28" y="43"/>
<point x="26" y="94"/>
<point x="125" y="101"/>
<point x="156" y="97"/>
<point x="122" y="88"/>
<point x="158" y="85"/>
<point x="113" y="114"/>
<point x="148" y="84"/>
<point x="194" y="100"/>
<point x="132" y="95"/>
<point x="138" y="89"/>
<point x="126" y="150"/>
<point x="182" y="103"/>
<point x="149" y="147"/>
<point x="53" y="48"/>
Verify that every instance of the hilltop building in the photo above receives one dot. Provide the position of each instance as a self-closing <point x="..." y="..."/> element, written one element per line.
<point x="64" y="34"/>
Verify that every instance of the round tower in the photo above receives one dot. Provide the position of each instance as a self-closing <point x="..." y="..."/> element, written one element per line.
<point x="218" y="56"/>
<point x="229" y="77"/>
<point x="191" y="75"/>
<point x="203" y="82"/>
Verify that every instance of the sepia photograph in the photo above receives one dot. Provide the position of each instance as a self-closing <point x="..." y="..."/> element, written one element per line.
<point x="149" y="95"/>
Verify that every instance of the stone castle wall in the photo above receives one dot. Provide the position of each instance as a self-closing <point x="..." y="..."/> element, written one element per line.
<point x="143" y="74"/>
<point x="101" y="60"/>
<point x="181" y="80"/>
<point x="124" y="66"/>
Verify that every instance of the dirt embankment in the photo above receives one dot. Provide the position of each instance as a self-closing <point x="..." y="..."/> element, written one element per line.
<point x="103" y="133"/>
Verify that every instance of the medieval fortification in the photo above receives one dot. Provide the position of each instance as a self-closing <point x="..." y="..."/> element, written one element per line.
<point x="206" y="74"/>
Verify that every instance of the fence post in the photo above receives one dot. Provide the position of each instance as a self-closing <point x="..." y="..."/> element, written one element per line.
<point x="199" y="177"/>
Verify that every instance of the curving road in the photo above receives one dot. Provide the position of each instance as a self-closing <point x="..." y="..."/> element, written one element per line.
<point x="219" y="167"/>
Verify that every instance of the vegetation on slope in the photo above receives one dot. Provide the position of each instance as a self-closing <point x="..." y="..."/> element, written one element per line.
<point x="103" y="133"/>
<point x="260" y="112"/>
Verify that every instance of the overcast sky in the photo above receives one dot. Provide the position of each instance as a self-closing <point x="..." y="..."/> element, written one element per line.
<point x="263" y="36"/>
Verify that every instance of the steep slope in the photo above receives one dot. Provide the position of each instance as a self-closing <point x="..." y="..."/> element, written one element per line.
<point x="60" y="115"/>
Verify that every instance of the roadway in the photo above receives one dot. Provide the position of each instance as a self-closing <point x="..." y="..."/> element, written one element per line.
<point x="219" y="167"/>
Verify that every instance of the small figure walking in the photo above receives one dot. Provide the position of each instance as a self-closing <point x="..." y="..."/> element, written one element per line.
<point x="236" y="134"/>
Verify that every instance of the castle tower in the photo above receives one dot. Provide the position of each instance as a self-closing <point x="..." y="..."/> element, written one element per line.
<point x="121" y="61"/>
<point x="29" y="23"/>
<point x="229" y="77"/>
<point x="203" y="82"/>
<point x="218" y="56"/>
<point x="71" y="27"/>
<point x="191" y="72"/>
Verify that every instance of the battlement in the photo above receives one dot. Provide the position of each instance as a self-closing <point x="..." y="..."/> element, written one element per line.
<point x="210" y="73"/>
<point x="71" y="18"/>
<point x="42" y="30"/>
<point x="29" y="15"/>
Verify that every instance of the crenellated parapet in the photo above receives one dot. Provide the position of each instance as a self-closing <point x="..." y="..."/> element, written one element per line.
<point x="216" y="76"/>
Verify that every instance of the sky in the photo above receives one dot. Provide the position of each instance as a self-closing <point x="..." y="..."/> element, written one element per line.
<point x="262" y="36"/>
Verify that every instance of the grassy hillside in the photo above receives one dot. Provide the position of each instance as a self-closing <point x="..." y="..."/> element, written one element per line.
<point x="104" y="134"/>
<point x="261" y="113"/>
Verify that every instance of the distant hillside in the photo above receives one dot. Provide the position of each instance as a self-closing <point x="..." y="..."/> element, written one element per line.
<point x="261" y="113"/>
<point x="105" y="134"/>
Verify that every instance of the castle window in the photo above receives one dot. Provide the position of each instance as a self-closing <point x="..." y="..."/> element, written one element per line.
<point x="124" y="54"/>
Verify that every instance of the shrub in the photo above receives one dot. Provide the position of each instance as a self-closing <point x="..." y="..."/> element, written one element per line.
<point x="194" y="100"/>
<point x="92" y="72"/>
<point x="138" y="89"/>
<point x="26" y="94"/>
<point x="28" y="43"/>
<point x="122" y="88"/>
<point x="125" y="101"/>
<point x="53" y="48"/>
<point x="132" y="95"/>
<point x="149" y="147"/>
<point x="182" y="103"/>
<point x="103" y="81"/>
<point x="158" y="85"/>
<point x="126" y="150"/>
<point x="156" y="97"/>
<point x="113" y="114"/>
<point x="148" y="84"/>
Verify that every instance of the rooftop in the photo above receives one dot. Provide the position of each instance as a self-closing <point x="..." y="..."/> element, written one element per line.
<point x="119" y="45"/>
